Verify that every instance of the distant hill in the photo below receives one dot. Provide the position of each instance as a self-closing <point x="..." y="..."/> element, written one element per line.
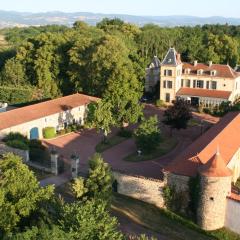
<point x="11" y="19"/>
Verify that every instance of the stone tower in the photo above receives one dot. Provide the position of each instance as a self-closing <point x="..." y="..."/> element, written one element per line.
<point x="170" y="76"/>
<point x="215" y="187"/>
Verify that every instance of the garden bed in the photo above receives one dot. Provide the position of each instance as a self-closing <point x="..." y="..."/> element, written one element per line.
<point x="114" y="140"/>
<point x="166" y="145"/>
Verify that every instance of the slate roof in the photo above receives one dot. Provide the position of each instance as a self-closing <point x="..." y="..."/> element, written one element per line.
<point x="36" y="111"/>
<point x="155" y="62"/>
<point x="171" y="58"/>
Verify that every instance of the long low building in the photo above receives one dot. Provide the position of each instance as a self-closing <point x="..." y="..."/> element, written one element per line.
<point x="57" y="113"/>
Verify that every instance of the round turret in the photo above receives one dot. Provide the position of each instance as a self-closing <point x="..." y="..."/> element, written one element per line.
<point x="215" y="187"/>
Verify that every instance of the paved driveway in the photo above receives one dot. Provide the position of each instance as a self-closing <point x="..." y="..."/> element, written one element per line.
<point x="84" y="145"/>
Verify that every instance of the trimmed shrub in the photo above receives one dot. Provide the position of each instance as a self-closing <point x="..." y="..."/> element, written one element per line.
<point x="16" y="136"/>
<point x="160" y="103"/>
<point x="17" y="144"/>
<point x="49" y="132"/>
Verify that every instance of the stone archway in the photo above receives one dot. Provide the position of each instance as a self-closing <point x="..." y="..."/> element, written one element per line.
<point x="34" y="133"/>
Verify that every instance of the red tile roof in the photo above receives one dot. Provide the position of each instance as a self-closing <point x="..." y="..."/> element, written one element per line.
<point x="224" y="134"/>
<point x="40" y="110"/>
<point x="222" y="71"/>
<point x="215" y="167"/>
<point x="199" y="92"/>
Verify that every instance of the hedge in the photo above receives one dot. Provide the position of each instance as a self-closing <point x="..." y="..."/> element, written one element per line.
<point x="49" y="132"/>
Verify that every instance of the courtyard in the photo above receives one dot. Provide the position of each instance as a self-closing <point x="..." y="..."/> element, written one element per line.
<point x="84" y="144"/>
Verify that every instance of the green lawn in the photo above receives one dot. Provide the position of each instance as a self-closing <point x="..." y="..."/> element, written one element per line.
<point x="165" y="146"/>
<point x="194" y="122"/>
<point x="112" y="141"/>
<point x="165" y="222"/>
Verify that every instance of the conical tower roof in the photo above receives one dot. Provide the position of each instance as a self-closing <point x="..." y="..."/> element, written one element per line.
<point x="215" y="167"/>
<point x="171" y="58"/>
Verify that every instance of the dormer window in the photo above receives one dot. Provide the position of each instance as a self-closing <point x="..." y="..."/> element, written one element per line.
<point x="187" y="71"/>
<point x="213" y="72"/>
<point x="199" y="72"/>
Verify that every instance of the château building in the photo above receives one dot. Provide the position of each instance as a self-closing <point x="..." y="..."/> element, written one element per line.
<point x="199" y="83"/>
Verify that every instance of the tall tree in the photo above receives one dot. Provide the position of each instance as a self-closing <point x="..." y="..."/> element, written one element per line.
<point x="103" y="117"/>
<point x="147" y="135"/>
<point x="20" y="193"/>
<point x="178" y="115"/>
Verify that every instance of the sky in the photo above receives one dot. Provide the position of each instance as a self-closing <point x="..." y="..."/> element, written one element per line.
<point x="202" y="8"/>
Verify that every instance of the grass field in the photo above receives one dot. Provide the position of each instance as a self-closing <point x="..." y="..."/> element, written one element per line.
<point x="165" y="146"/>
<point x="114" y="140"/>
<point x="166" y="222"/>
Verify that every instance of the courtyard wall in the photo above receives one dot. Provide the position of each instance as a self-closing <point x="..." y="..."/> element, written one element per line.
<point x="141" y="188"/>
<point x="232" y="220"/>
<point x="24" y="154"/>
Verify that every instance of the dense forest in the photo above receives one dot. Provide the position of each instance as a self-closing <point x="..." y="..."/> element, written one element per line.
<point x="50" y="61"/>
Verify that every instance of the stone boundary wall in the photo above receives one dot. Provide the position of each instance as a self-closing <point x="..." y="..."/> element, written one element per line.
<point x="24" y="154"/>
<point x="232" y="219"/>
<point x="138" y="187"/>
<point x="181" y="183"/>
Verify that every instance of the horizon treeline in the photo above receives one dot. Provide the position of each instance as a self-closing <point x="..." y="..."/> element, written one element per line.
<point x="50" y="61"/>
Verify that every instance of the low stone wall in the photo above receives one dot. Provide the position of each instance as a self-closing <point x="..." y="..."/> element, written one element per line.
<point x="138" y="187"/>
<point x="181" y="183"/>
<point x="24" y="154"/>
<point x="232" y="220"/>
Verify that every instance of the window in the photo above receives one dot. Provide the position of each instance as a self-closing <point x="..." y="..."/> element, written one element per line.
<point x="187" y="71"/>
<point x="167" y="98"/>
<point x="167" y="72"/>
<point x="167" y="84"/>
<point x="214" y="85"/>
<point x="199" y="72"/>
<point x="188" y="83"/>
<point x="207" y="85"/>
<point x="194" y="83"/>
<point x="182" y="82"/>
<point x="164" y="84"/>
<point x="213" y="73"/>
<point x="200" y="83"/>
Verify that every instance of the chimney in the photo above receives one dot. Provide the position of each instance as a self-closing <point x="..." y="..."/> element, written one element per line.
<point x="179" y="57"/>
<point x="195" y="63"/>
<point x="210" y="63"/>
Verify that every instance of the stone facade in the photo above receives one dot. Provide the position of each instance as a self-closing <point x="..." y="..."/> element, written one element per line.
<point x="22" y="153"/>
<point x="213" y="200"/>
<point x="144" y="189"/>
<point x="181" y="183"/>
<point x="57" y="121"/>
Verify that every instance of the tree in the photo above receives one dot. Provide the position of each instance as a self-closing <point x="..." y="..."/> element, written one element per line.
<point x="123" y="93"/>
<point x="20" y="193"/>
<point x="90" y="221"/>
<point x="147" y="135"/>
<point x="104" y="118"/>
<point x="43" y="232"/>
<point x="178" y="115"/>
<point x="14" y="73"/>
<point x="98" y="184"/>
